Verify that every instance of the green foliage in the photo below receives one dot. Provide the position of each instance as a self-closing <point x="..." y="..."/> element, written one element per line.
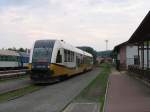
<point x="19" y="49"/>
<point x="105" y="53"/>
<point x="96" y="90"/>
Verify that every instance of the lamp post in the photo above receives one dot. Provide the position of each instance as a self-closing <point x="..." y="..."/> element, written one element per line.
<point x="106" y="44"/>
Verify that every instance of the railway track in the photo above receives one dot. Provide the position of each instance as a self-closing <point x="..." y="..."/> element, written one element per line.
<point x="51" y="98"/>
<point x="11" y="80"/>
<point x="14" y="84"/>
<point x="12" y="73"/>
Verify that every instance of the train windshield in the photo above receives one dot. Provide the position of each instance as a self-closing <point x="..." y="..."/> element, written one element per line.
<point x="43" y="51"/>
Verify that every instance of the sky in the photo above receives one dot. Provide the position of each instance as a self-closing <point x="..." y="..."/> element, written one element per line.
<point x="78" y="22"/>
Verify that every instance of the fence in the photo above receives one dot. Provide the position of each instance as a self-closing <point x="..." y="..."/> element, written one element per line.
<point x="140" y="72"/>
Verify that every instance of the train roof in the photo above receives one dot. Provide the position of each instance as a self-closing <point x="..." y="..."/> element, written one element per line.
<point x="24" y="54"/>
<point x="68" y="47"/>
<point x="8" y="53"/>
<point x="72" y="48"/>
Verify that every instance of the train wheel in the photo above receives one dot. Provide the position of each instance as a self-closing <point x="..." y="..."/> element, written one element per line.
<point x="62" y="78"/>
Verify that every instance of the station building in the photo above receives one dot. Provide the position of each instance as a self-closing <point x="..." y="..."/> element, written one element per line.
<point x="125" y="54"/>
<point x="104" y="56"/>
<point x="134" y="55"/>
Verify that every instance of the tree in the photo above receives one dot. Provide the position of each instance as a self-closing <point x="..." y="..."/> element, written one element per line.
<point x="21" y="50"/>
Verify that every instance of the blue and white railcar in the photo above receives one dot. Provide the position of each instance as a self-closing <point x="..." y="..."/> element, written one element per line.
<point x="9" y="59"/>
<point x="24" y="59"/>
<point x="56" y="59"/>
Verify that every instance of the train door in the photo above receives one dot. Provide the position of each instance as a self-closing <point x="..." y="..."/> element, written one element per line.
<point x="59" y="57"/>
<point x="77" y="61"/>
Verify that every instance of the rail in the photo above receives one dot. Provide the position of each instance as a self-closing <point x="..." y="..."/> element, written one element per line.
<point x="12" y="73"/>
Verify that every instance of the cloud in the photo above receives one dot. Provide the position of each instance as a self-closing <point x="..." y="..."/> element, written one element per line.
<point x="39" y="33"/>
<point x="79" y="22"/>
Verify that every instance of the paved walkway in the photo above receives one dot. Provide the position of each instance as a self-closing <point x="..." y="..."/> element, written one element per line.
<point x="126" y="94"/>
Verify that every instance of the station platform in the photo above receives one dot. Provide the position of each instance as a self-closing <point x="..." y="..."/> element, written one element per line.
<point x="126" y="94"/>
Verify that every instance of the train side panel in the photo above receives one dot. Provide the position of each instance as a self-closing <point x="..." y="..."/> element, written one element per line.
<point x="8" y="64"/>
<point x="60" y="70"/>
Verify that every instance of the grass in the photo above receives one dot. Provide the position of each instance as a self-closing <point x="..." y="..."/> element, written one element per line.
<point x="18" y="93"/>
<point x="95" y="91"/>
<point x="103" y="82"/>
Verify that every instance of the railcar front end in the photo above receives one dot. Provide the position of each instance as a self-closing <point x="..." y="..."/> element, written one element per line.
<point x="40" y="61"/>
<point x="53" y="59"/>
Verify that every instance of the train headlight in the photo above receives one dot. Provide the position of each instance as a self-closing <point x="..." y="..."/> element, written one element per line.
<point x="49" y="66"/>
<point x="30" y="66"/>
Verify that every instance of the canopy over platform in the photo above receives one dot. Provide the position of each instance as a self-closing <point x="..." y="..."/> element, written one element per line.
<point x="142" y="33"/>
<point x="116" y="48"/>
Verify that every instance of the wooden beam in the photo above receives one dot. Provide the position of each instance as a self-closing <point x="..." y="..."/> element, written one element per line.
<point x="142" y="55"/>
<point x="144" y="48"/>
<point x="147" y="54"/>
<point x="138" y="56"/>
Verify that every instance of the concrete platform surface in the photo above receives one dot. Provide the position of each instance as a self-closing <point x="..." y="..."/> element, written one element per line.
<point x="126" y="94"/>
<point x="83" y="107"/>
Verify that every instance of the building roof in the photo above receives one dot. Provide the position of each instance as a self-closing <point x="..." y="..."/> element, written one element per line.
<point x="24" y="54"/>
<point x="142" y="33"/>
<point x="8" y="53"/>
<point x="116" y="48"/>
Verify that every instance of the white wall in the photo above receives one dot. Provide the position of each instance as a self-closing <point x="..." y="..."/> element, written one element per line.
<point x="8" y="64"/>
<point x="145" y="58"/>
<point x="131" y="51"/>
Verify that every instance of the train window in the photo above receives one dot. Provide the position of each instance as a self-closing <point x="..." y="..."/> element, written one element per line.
<point x="44" y="44"/>
<point x="65" y="55"/>
<point x="0" y="58"/>
<point x="15" y="58"/>
<point x="3" y="58"/>
<point x="69" y="56"/>
<point x="59" y="57"/>
<point x="43" y="54"/>
<point x="72" y="56"/>
<point x="6" y="58"/>
<point x="11" y="58"/>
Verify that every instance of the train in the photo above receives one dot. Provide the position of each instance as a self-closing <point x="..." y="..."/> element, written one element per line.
<point x="56" y="59"/>
<point x="13" y="59"/>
